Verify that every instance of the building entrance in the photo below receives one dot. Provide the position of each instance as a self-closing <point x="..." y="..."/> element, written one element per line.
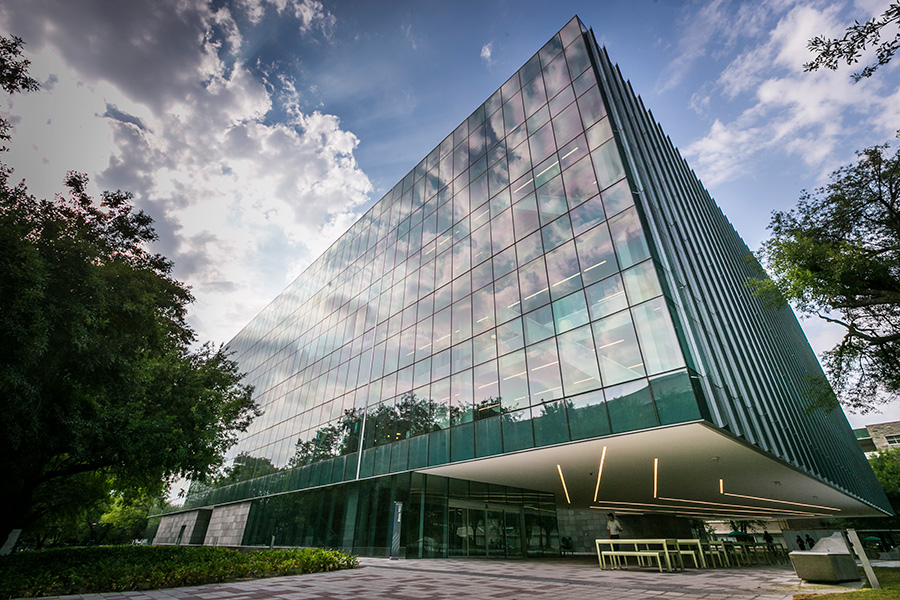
<point x="489" y="530"/>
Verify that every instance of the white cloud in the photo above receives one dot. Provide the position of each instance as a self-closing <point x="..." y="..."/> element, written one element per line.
<point x="242" y="204"/>
<point x="818" y="117"/>
<point x="487" y="53"/>
<point x="407" y="30"/>
<point x="311" y="13"/>
<point x="711" y="32"/>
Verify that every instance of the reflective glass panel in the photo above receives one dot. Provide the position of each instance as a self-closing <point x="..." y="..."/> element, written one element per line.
<point x="587" y="215"/>
<point x="674" y="397"/>
<point x="498" y="176"/>
<point x="509" y="336"/>
<point x="534" y="287"/>
<point x="529" y="248"/>
<point x="502" y="231"/>
<point x="570" y="312"/>
<point x="519" y="159"/>
<point x="628" y="238"/>
<point x="577" y="57"/>
<point x="505" y="262"/>
<point x="486" y="384"/>
<point x="550" y="50"/>
<point x="552" y="200"/>
<point x="557" y="232"/>
<point x="580" y="182"/>
<point x="631" y="406"/>
<point x="538" y="325"/>
<point x="513" y="381"/>
<point x="563" y="270"/>
<point x="543" y="372"/>
<point x="595" y="253"/>
<point x="556" y="76"/>
<point x="481" y="244"/>
<point x="567" y="124"/>
<point x="525" y="216"/>
<point x="617" y="348"/>
<point x="461" y="397"/>
<point x="578" y="360"/>
<point x="587" y="415"/>
<point x="513" y="113"/>
<point x="617" y="198"/>
<point x="600" y="133"/>
<point x="506" y="297"/>
<point x="641" y="282"/>
<point x="606" y="297"/>
<point x="533" y="95"/>
<point x="607" y="164"/>
<point x="483" y="309"/>
<point x="659" y="343"/>
<point x="542" y="143"/>
<point x="592" y="108"/>
<point x="549" y="422"/>
<point x="462" y="320"/>
<point x="517" y="431"/>
<point x="484" y="347"/>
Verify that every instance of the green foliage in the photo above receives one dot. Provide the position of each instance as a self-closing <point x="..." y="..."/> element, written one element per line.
<point x="886" y="464"/>
<point x="13" y="75"/>
<point x="98" y="372"/>
<point x="131" y="568"/>
<point x="837" y="256"/>
<point x="830" y="52"/>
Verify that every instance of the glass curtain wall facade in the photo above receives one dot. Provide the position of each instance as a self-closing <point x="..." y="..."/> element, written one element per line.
<point x="552" y="271"/>
<point x="757" y="370"/>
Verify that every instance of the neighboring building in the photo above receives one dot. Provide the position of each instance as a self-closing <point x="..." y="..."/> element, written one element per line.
<point x="545" y="320"/>
<point x="878" y="436"/>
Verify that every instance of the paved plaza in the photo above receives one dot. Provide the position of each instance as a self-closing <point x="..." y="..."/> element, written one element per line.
<point x="572" y="578"/>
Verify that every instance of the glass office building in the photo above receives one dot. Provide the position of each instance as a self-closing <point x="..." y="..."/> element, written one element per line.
<point x="547" y="312"/>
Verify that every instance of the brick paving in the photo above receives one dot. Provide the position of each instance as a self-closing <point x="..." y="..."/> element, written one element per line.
<point x="572" y="578"/>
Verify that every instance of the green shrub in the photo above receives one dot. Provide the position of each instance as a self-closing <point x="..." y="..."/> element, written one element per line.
<point x="131" y="568"/>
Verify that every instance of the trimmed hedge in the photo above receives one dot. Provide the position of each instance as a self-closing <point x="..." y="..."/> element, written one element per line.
<point x="131" y="568"/>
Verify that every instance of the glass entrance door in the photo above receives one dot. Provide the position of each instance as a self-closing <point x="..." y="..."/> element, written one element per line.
<point x="485" y="530"/>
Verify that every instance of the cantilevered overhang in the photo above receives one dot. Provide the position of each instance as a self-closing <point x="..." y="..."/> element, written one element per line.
<point x="691" y="470"/>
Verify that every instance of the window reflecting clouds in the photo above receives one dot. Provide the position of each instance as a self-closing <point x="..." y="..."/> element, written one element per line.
<point x="497" y="290"/>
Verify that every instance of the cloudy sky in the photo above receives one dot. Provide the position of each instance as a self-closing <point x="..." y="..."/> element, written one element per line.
<point x="254" y="132"/>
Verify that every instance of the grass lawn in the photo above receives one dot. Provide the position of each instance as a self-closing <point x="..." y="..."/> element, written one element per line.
<point x="889" y="578"/>
<point x="130" y="568"/>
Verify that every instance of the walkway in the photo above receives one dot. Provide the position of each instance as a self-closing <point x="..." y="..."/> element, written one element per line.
<point x="573" y="578"/>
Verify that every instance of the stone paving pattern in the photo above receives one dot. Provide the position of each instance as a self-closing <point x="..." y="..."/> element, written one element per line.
<point x="571" y="578"/>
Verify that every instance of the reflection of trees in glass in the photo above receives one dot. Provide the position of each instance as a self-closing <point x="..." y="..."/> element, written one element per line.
<point x="335" y="439"/>
<point x="246" y="466"/>
<point x="555" y="409"/>
<point x="489" y="407"/>
<point x="411" y="416"/>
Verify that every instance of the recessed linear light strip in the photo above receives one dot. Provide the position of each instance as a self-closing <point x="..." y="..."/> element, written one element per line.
<point x="563" y="480"/>
<point x="655" y="476"/>
<point x="536" y="293"/>
<point x="735" y="506"/>
<point x="724" y="493"/>
<point x="675" y="506"/>
<point x="600" y="473"/>
<point x="736" y="510"/>
<point x="687" y="511"/>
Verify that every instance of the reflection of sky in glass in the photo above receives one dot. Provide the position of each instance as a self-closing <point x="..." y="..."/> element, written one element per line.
<point x="427" y="291"/>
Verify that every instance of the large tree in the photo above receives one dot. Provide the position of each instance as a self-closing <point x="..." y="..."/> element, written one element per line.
<point x="881" y="33"/>
<point x="837" y="256"/>
<point x="99" y="373"/>
<point x="13" y="76"/>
